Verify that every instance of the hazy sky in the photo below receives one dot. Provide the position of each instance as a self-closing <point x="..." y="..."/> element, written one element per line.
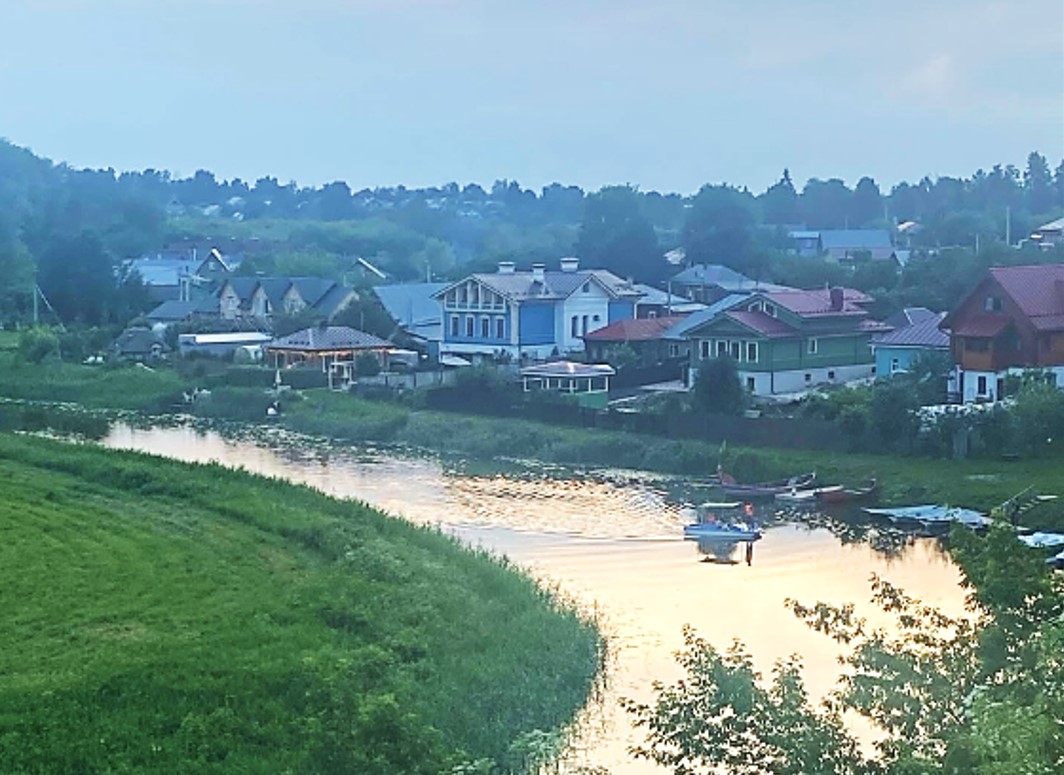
<point x="665" y="94"/>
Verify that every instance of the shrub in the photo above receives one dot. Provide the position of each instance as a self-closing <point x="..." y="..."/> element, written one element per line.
<point x="36" y="344"/>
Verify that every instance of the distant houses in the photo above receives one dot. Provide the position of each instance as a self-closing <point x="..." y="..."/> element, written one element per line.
<point x="182" y="274"/>
<point x="1012" y="321"/>
<point x="916" y="334"/>
<point x="708" y="283"/>
<point x="261" y="298"/>
<point x="788" y="341"/>
<point x="534" y="314"/>
<point x="844" y="244"/>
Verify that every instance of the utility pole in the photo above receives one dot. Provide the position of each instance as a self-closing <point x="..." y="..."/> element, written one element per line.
<point x="36" y="310"/>
<point x="1008" y="225"/>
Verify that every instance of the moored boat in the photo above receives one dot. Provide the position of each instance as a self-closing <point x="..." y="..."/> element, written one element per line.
<point x="763" y="489"/>
<point x="848" y="494"/>
<point x="808" y="496"/>
<point x="931" y="515"/>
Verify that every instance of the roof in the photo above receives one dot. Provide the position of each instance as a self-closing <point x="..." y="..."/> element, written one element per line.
<point x="321" y="338"/>
<point x="1057" y="225"/>
<point x="817" y="303"/>
<point x="411" y="304"/>
<point x="910" y="315"/>
<point x="162" y="271"/>
<point x="762" y="322"/>
<point x="334" y="300"/>
<point x="656" y="297"/>
<point x="568" y="369"/>
<point x="982" y="326"/>
<point x="243" y="287"/>
<point x="698" y="319"/>
<point x="713" y="274"/>
<point x="804" y="235"/>
<point x="135" y="341"/>
<point x="854" y="239"/>
<point x="634" y="330"/>
<point x="174" y="310"/>
<point x="902" y="257"/>
<point x="520" y="286"/>
<point x="233" y="337"/>
<point x="923" y="333"/>
<point x="1038" y="290"/>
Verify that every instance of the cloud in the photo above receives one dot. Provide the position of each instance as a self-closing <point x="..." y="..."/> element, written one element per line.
<point x="932" y="80"/>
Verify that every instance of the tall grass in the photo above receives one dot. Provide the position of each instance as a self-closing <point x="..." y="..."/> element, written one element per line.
<point x="164" y="617"/>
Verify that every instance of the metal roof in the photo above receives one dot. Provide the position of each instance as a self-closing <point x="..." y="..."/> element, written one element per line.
<point x="762" y="322"/>
<point x="521" y="286"/>
<point x="817" y="303"/>
<point x="698" y="319"/>
<point x="557" y="369"/>
<point x="411" y="303"/>
<point x="1038" y="289"/>
<point x="634" y="330"/>
<point x="233" y="337"/>
<point x="923" y="333"/>
<point x="320" y="338"/>
<point x="982" y="326"/>
<point x="854" y="239"/>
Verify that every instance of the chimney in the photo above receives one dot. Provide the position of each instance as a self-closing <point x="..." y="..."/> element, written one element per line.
<point x="506" y="267"/>
<point x="836" y="299"/>
<point x="537" y="273"/>
<point x="570" y="264"/>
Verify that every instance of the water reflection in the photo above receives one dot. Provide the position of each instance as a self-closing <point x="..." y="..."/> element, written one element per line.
<point x="612" y="540"/>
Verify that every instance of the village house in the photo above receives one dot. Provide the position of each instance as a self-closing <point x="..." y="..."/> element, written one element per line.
<point x="1012" y="321"/>
<point x="786" y="342"/>
<point x="181" y="274"/>
<point x="645" y="336"/>
<point x="531" y="314"/>
<point x="844" y="244"/>
<point x="333" y="349"/>
<point x="415" y="311"/>
<point x="916" y="334"/>
<point x="261" y="298"/>
<point x="1049" y="235"/>
<point x="708" y="283"/>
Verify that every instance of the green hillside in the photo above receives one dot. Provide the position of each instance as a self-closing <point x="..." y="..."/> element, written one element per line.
<point x="173" y="618"/>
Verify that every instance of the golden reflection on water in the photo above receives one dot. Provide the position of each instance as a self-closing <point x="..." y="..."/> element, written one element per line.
<point x="614" y="547"/>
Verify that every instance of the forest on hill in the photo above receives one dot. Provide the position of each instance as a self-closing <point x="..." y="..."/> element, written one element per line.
<point x="72" y="229"/>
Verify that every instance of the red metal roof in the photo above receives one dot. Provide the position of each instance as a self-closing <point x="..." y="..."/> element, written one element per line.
<point x="634" y="329"/>
<point x="1038" y="291"/>
<point x="816" y="303"/>
<point x="982" y="326"/>
<point x="762" y="323"/>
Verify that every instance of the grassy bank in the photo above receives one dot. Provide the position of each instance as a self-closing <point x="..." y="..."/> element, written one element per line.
<point x="979" y="483"/>
<point x="162" y="617"/>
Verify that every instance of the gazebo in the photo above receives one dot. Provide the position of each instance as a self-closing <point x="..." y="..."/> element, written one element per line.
<point x="589" y="382"/>
<point x="334" y="347"/>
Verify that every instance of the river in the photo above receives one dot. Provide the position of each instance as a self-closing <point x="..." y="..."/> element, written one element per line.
<point x="611" y="541"/>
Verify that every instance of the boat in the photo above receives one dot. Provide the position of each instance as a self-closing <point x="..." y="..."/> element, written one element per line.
<point x="763" y="489"/>
<point x="1039" y="540"/>
<point x="806" y="496"/>
<point x="930" y="515"/>
<point x="848" y="494"/>
<point x="721" y="531"/>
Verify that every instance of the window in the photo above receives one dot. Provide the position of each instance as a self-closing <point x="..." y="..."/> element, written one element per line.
<point x="454" y="325"/>
<point x="703" y="349"/>
<point x="736" y="347"/>
<point x="751" y="385"/>
<point x="808" y="377"/>
<point x="770" y="309"/>
<point x="722" y="348"/>
<point x="596" y="318"/>
<point x="751" y="352"/>
<point x="831" y="375"/>
<point x="652" y="314"/>
<point x="469" y="326"/>
<point x="583" y="324"/>
<point x="894" y="365"/>
<point x="500" y="328"/>
<point x="992" y="304"/>
<point x="980" y="386"/>
<point x="586" y="288"/>
<point x="485" y="328"/>
<point x="574" y="327"/>
<point x="674" y="349"/>
<point x="755" y="307"/>
<point x="812" y="346"/>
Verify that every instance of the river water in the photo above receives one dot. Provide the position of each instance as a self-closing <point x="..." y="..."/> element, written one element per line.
<point x="610" y="540"/>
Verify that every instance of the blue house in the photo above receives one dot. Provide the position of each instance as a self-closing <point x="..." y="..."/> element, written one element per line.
<point x="535" y="314"/>
<point x="896" y="351"/>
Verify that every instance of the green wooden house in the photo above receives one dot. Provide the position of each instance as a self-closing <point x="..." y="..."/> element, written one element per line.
<point x="789" y="341"/>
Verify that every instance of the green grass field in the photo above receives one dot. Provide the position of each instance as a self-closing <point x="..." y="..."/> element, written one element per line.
<point x="162" y="617"/>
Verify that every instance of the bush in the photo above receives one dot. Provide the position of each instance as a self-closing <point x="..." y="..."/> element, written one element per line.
<point x="367" y="365"/>
<point x="36" y="344"/>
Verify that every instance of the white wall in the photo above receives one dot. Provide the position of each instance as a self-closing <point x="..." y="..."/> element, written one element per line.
<point x="595" y="302"/>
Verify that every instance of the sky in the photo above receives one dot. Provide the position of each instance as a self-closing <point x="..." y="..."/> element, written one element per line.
<point x="666" y="95"/>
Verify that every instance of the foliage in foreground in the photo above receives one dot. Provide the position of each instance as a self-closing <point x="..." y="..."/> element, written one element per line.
<point x="162" y="617"/>
<point x="976" y="694"/>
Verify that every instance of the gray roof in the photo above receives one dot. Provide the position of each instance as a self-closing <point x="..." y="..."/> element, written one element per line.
<point x="925" y="333"/>
<point x="411" y="304"/>
<point x="138" y="341"/>
<point x="855" y="239"/>
<point x="521" y="286"/>
<point x="318" y="338"/>
<point x="697" y="319"/>
<point x="908" y="316"/>
<point x="656" y="297"/>
<point x="712" y="274"/>
<point x="180" y="310"/>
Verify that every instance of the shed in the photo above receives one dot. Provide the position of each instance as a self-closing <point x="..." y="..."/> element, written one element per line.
<point x="588" y="382"/>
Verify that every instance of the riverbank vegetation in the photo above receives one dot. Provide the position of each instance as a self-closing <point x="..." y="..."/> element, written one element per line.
<point x="165" y="617"/>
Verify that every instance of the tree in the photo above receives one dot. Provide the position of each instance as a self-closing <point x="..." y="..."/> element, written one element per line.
<point x="779" y="203"/>
<point x="616" y="235"/>
<point x="825" y="204"/>
<point x="720" y="228"/>
<point x="867" y="203"/>
<point x="717" y="389"/>
<point x="978" y="693"/>
<point x="1038" y="184"/>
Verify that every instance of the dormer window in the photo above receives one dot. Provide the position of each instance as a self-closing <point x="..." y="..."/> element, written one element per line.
<point x="992" y="304"/>
<point x="770" y="309"/>
<point x="586" y="287"/>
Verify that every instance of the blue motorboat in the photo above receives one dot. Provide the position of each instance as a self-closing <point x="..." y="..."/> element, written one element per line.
<point x="721" y="531"/>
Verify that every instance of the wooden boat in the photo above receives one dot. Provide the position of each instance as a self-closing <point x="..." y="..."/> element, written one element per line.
<point x="721" y="531"/>
<point x="763" y="489"/>
<point x="807" y="496"/>
<point x="932" y="515"/>
<point x="848" y="494"/>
